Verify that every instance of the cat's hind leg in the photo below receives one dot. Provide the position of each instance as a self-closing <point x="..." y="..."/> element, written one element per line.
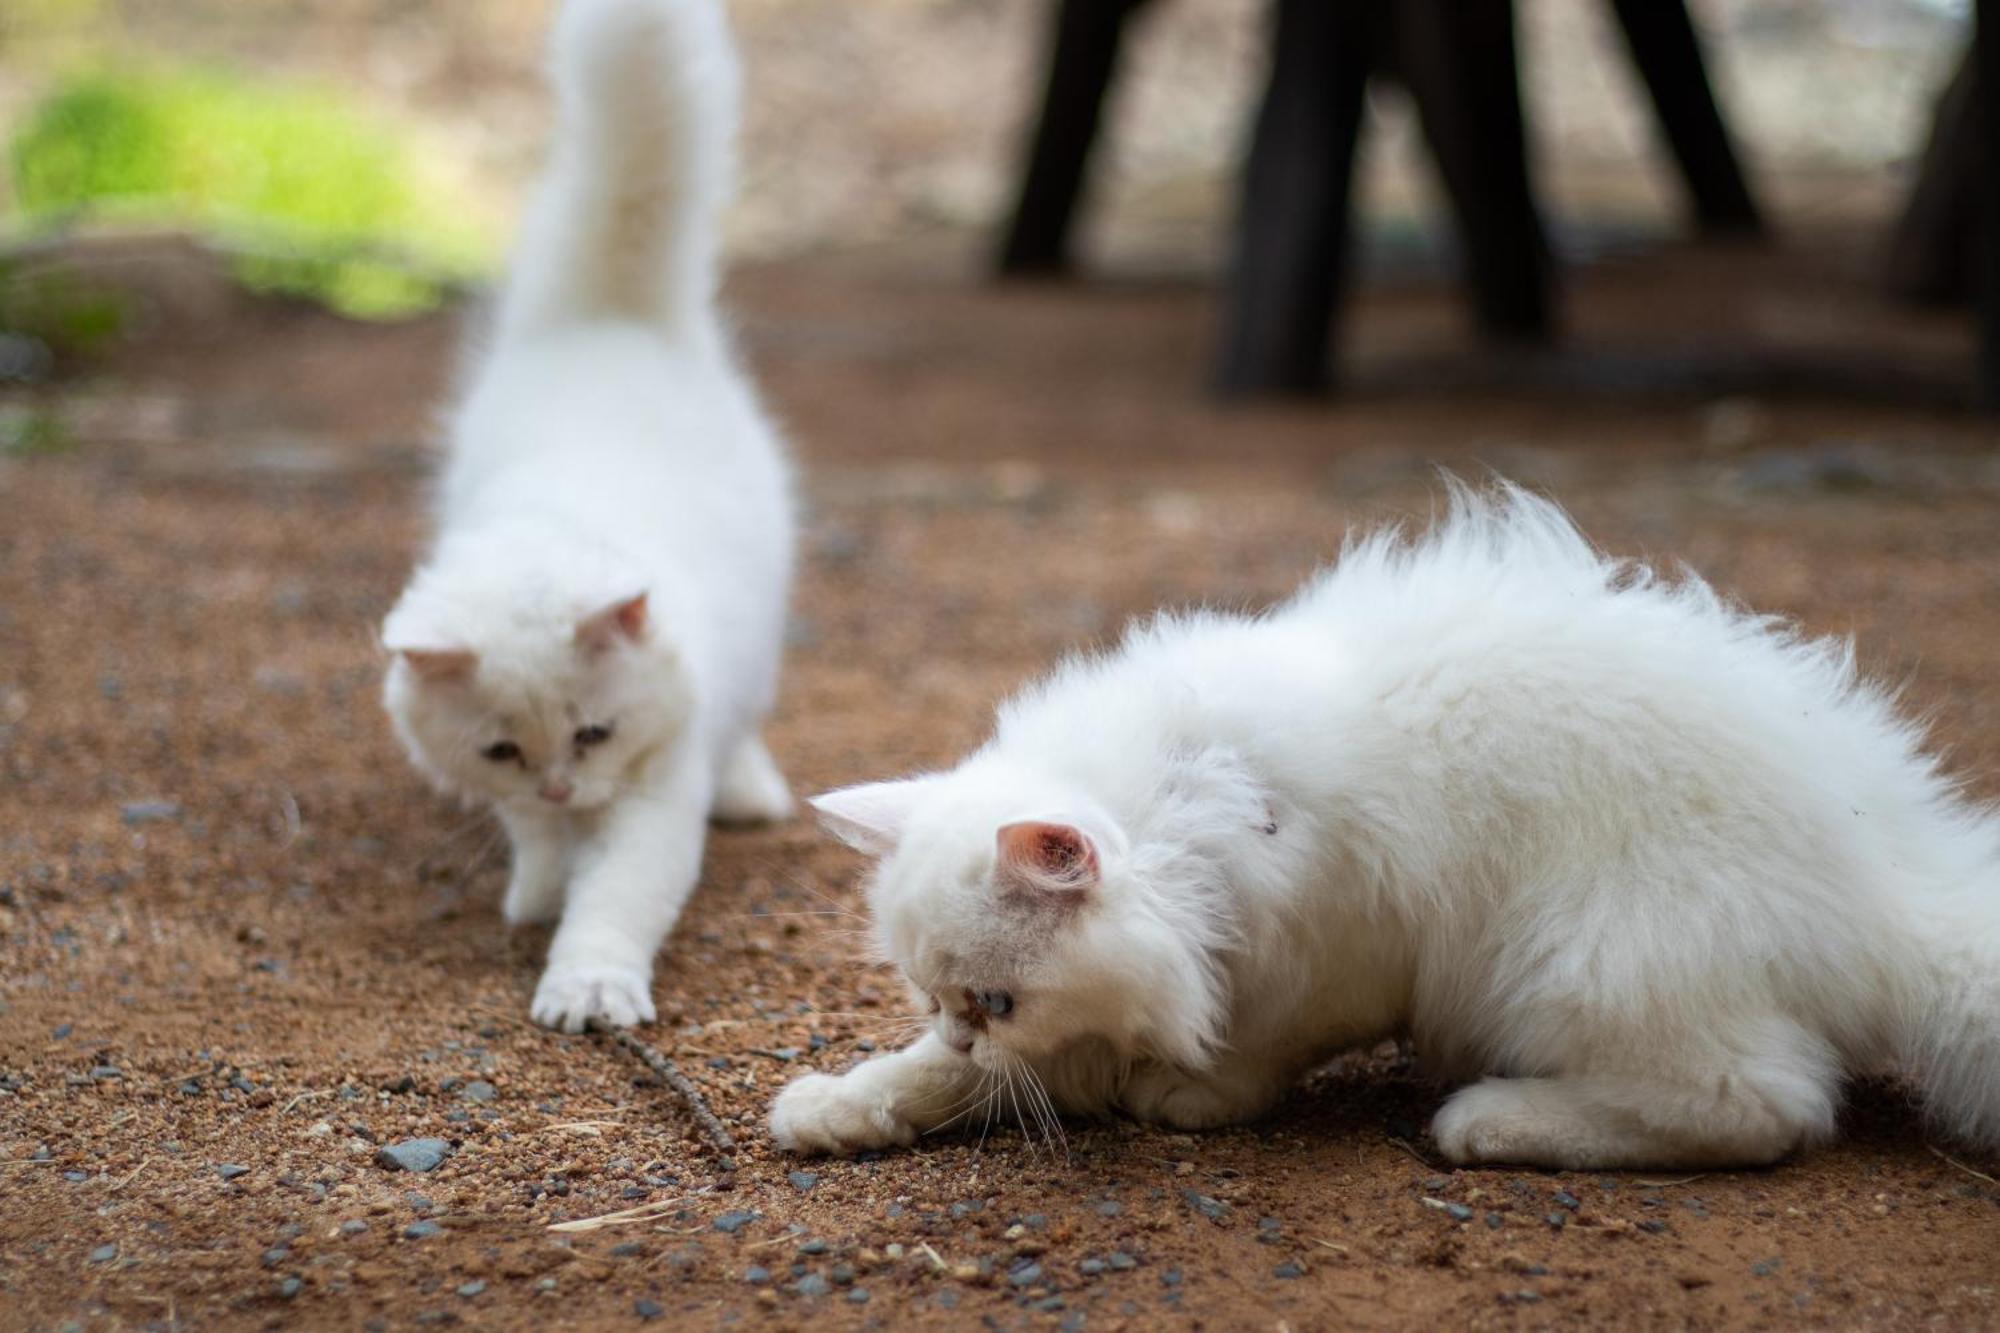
<point x="750" y="789"/>
<point x="540" y="847"/>
<point x="1743" y="1107"/>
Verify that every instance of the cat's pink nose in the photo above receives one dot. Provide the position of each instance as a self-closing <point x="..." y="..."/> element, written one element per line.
<point x="556" y="792"/>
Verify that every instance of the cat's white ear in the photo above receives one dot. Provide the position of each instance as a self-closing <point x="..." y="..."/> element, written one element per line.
<point x="871" y="817"/>
<point x="439" y="665"/>
<point x="1058" y="858"/>
<point x="623" y="621"/>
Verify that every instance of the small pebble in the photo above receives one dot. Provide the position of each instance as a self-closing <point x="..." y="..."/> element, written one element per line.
<point x="802" y="1181"/>
<point x="1025" y="1275"/>
<point x="864" y="1045"/>
<point x="104" y="1254"/>
<point x="734" y="1220"/>
<point x="628" y="1250"/>
<point x="413" y="1155"/>
<point x="812" y="1284"/>
<point x="756" y="1275"/>
<point x="419" y="1230"/>
<point x="103" y="1073"/>
<point x="648" y="1309"/>
<point x="1558" y="1220"/>
<point x="290" y="1287"/>
<point x="479" y="1090"/>
<point x="718" y="1062"/>
<point x="275" y="1256"/>
<point x="1110" y="1208"/>
<point x="1171" y="1278"/>
<point x="1287" y="1271"/>
<point x="1091" y="1267"/>
<point x="814" y="1246"/>
<point x="1122" y="1261"/>
<point x="857" y="1297"/>
<point x="842" y="1275"/>
<point x="354" y="1226"/>
<point x="148" y="812"/>
<point x="1458" y="1212"/>
<point x="230" y="1170"/>
<point x="1495" y="1221"/>
<point x="76" y="1177"/>
<point x="471" y="1289"/>
<point x="1565" y="1199"/>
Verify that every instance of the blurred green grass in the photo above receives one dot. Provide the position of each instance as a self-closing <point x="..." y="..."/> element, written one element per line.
<point x="313" y="196"/>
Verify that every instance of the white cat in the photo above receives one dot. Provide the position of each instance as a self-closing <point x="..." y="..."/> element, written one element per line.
<point x="593" y="644"/>
<point x="1656" y="872"/>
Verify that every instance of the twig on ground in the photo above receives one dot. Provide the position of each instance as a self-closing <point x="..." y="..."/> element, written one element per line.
<point x="305" y="1097"/>
<point x="670" y="1074"/>
<point x="645" y="1212"/>
<point x="1952" y="1161"/>
<point x="146" y="1162"/>
<point x="1662" y="1184"/>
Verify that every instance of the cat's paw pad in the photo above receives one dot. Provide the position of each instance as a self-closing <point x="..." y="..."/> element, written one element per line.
<point x="823" y="1114"/>
<point x="572" y="994"/>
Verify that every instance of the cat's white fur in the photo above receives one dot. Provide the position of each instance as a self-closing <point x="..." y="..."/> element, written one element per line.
<point x="615" y="523"/>
<point x="1651" y="873"/>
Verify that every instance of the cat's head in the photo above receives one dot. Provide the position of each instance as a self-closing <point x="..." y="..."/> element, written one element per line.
<point x="523" y="707"/>
<point x="1023" y="920"/>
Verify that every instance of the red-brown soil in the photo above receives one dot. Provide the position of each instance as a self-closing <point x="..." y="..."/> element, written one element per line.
<point x="295" y="954"/>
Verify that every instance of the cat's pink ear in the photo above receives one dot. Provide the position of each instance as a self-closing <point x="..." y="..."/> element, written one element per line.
<point x="870" y="818"/>
<point x="438" y="665"/>
<point x="1057" y="857"/>
<point x="624" y="621"/>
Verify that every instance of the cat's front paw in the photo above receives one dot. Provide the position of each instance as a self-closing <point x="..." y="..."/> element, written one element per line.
<point x="571" y="994"/>
<point x="1162" y="1095"/>
<point x="824" y="1114"/>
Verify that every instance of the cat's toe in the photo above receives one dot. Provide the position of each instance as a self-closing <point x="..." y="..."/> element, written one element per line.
<point x="571" y="996"/>
<point x="822" y="1114"/>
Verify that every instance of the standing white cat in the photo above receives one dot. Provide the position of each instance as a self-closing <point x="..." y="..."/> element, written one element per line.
<point x="593" y="643"/>
<point x="1657" y="873"/>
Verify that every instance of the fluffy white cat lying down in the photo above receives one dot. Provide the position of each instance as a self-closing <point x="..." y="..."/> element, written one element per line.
<point x="1653" y="873"/>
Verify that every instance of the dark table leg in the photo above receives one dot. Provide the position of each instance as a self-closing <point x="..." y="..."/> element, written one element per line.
<point x="1459" y="59"/>
<point x="1668" y="53"/>
<point x="1932" y="255"/>
<point x="1084" y="38"/>
<point x="1986" y="80"/>
<point x="1291" y="241"/>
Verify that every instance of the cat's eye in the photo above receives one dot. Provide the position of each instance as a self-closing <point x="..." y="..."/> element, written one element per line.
<point x="501" y="752"/>
<point x="995" y="1003"/>
<point x="594" y="734"/>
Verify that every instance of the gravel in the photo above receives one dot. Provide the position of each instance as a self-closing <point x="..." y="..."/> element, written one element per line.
<point x="734" y="1221"/>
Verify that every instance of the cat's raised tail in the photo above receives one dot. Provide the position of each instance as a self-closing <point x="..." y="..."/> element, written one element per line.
<point x="623" y="227"/>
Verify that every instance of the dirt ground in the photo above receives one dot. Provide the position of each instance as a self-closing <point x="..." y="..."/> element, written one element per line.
<point x="241" y="947"/>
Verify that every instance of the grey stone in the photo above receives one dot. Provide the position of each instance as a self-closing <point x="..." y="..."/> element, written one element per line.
<point x="149" y="812"/>
<point x="1285" y="1272"/>
<point x="803" y="1181"/>
<point x="413" y="1155"/>
<point x="471" y="1289"/>
<point x="479" y="1090"/>
<point x="231" y="1170"/>
<point x="421" y="1230"/>
<point x="104" y="1254"/>
<point x="734" y="1220"/>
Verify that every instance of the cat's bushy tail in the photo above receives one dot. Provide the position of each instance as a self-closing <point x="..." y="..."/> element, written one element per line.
<point x="1952" y="1041"/>
<point x="624" y="221"/>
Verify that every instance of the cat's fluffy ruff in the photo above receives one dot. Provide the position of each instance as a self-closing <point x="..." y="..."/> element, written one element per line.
<point x="1656" y="872"/>
<point x="615" y="525"/>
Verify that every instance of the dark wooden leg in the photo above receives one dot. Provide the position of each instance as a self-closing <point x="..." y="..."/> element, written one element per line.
<point x="1668" y="53"/>
<point x="1931" y="255"/>
<point x="1460" y="61"/>
<point x="1986" y="80"/>
<point x="1082" y="61"/>
<point x="1286" y="280"/>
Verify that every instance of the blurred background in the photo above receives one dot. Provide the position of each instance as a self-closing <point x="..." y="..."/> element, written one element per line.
<point x="335" y="125"/>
